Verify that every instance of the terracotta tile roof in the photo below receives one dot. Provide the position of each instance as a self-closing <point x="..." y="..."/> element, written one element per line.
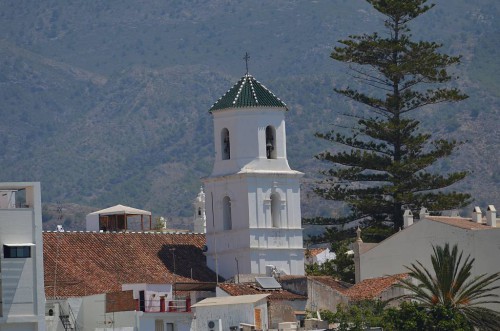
<point x="326" y="280"/>
<point x="314" y="251"/>
<point x="92" y="262"/>
<point x="252" y="288"/>
<point x="373" y="287"/>
<point x="460" y="222"/>
<point x="290" y="277"/>
<point x="333" y="283"/>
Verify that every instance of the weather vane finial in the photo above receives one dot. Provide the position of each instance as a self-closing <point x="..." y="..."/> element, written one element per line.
<point x="246" y="58"/>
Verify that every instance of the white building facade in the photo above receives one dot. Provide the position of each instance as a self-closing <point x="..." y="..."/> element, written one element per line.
<point x="252" y="195"/>
<point x="22" y="305"/>
<point x="476" y="237"/>
<point x="232" y="313"/>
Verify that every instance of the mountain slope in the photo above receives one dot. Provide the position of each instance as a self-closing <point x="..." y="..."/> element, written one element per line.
<point x="106" y="102"/>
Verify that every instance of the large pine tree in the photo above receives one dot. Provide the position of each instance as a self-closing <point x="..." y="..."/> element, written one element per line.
<point x="386" y="165"/>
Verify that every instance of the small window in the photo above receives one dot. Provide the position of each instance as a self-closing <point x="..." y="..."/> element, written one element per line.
<point x="199" y="211"/>
<point x="271" y="142"/>
<point x="16" y="251"/>
<point x="225" y="144"/>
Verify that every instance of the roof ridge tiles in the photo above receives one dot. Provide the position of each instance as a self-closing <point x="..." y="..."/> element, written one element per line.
<point x="85" y="248"/>
<point x="125" y="232"/>
<point x="248" y="92"/>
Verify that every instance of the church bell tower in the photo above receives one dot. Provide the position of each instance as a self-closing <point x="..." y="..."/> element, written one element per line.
<point x="252" y="196"/>
<point x="200" y="218"/>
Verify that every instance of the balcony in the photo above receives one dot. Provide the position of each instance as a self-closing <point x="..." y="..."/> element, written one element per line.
<point x="11" y="198"/>
<point x="162" y="305"/>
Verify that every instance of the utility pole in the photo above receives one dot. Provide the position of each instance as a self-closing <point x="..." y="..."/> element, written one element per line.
<point x="175" y="272"/>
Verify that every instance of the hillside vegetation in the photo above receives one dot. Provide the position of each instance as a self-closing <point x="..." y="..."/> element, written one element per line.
<point x="107" y="102"/>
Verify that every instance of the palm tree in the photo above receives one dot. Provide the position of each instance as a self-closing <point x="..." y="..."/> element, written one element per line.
<point x="453" y="286"/>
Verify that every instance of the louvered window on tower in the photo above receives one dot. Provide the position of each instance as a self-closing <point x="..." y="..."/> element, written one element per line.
<point x="225" y="144"/>
<point x="270" y="142"/>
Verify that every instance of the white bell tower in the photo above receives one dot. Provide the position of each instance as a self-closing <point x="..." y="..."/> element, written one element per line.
<point x="252" y="195"/>
<point x="200" y="218"/>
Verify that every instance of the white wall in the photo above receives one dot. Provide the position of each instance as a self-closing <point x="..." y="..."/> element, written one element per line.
<point x="19" y="327"/>
<point x="152" y="292"/>
<point x="92" y="222"/>
<point x="53" y="323"/>
<point x="415" y="243"/>
<point x="324" y="256"/>
<point x="91" y="314"/>
<point x="181" y="321"/>
<point x="18" y="288"/>
<point x="247" y="133"/>
<point x="253" y="240"/>
<point x="249" y="179"/>
<point x="22" y="280"/>
<point x="231" y="315"/>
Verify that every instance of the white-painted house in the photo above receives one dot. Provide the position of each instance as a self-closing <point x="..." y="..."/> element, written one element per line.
<point x="231" y="313"/>
<point x="477" y="236"/>
<point x="124" y="280"/>
<point x="252" y="195"/>
<point x="22" y="305"/>
<point x="115" y="311"/>
<point x="319" y="255"/>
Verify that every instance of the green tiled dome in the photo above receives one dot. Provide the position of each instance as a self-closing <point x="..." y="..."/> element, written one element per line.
<point x="248" y="92"/>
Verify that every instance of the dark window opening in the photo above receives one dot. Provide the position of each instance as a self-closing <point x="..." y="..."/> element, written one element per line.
<point x="16" y="251"/>
<point x="142" y="301"/>
<point x="112" y="222"/>
<point x="226" y="145"/>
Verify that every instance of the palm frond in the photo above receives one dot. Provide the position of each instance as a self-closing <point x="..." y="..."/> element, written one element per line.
<point x="450" y="283"/>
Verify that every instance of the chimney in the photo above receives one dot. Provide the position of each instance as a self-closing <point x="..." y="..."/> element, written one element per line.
<point x="491" y="216"/>
<point x="407" y="218"/>
<point x="423" y="213"/>
<point x="477" y="216"/>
